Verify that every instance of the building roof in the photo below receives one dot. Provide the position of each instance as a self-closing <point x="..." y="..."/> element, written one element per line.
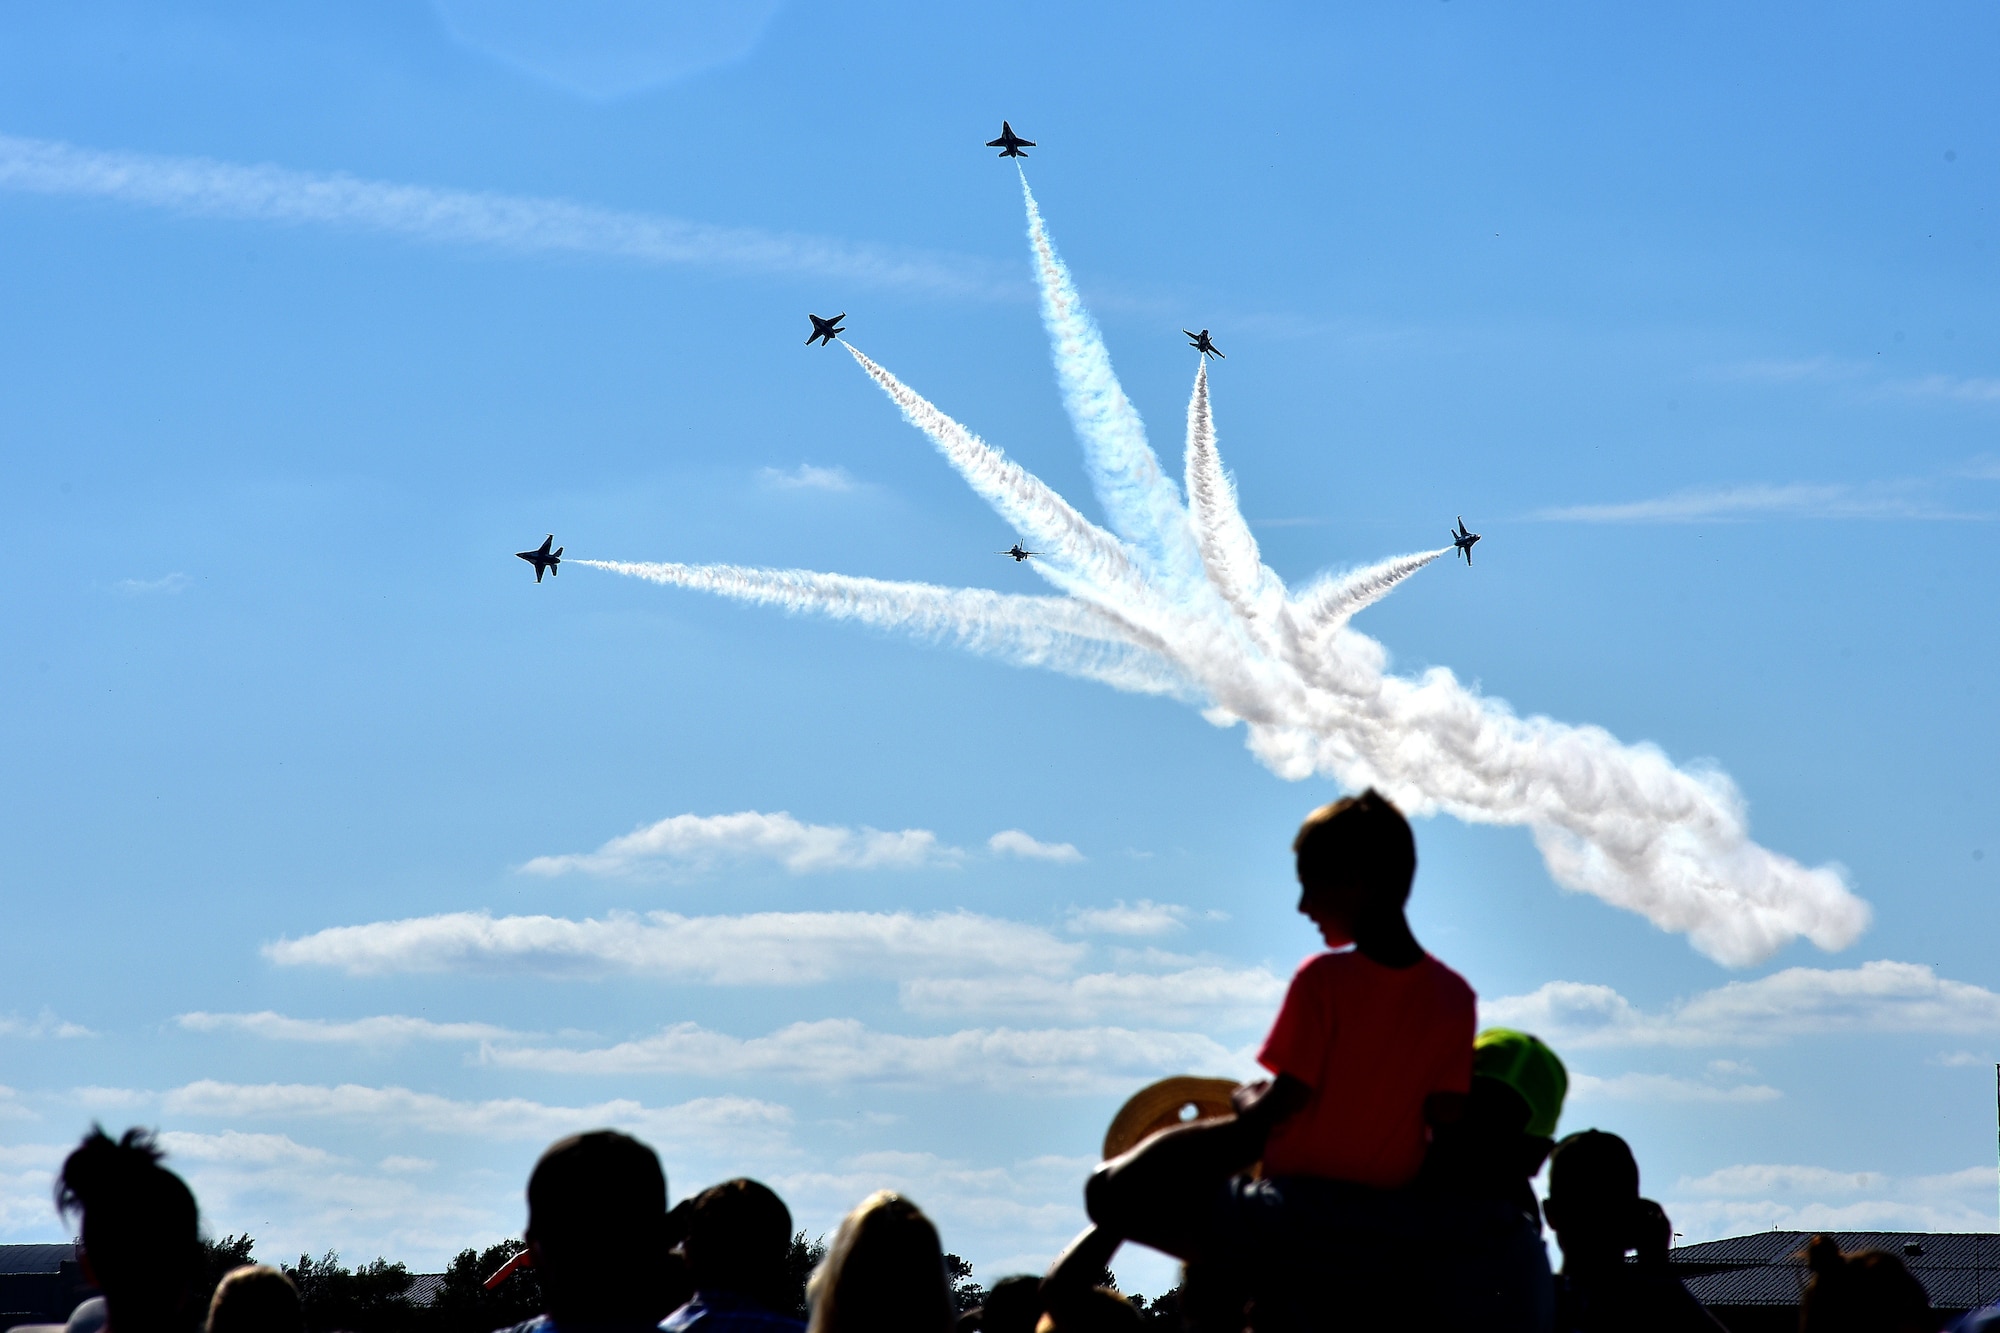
<point x="35" y="1258"/>
<point x="1960" y="1269"/>
<point x="424" y="1288"/>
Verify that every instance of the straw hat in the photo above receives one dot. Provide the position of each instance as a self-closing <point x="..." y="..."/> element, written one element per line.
<point x="1162" y="1105"/>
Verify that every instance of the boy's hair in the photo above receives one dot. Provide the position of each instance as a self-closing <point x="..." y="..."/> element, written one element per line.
<point x="140" y="1227"/>
<point x="256" y="1298"/>
<point x="1595" y="1170"/>
<point x="597" y="1217"/>
<point x="739" y="1240"/>
<point x="1361" y="839"/>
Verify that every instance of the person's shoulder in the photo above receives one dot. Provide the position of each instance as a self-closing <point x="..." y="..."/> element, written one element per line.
<point x="1447" y="980"/>
<point x="1324" y="966"/>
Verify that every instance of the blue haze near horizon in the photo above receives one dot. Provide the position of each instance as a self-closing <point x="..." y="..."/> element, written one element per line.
<point x="273" y="670"/>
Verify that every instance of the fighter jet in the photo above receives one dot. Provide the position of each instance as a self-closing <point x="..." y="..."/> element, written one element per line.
<point x="1464" y="540"/>
<point x="825" y="330"/>
<point x="542" y="558"/>
<point x="1009" y="143"/>
<point x="1200" y="343"/>
<point x="1018" y="554"/>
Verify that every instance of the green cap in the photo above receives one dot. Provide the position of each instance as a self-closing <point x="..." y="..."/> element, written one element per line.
<point x="1529" y="1067"/>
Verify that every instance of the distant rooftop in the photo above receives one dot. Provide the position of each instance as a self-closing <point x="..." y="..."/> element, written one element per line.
<point x="35" y="1258"/>
<point x="1960" y="1269"/>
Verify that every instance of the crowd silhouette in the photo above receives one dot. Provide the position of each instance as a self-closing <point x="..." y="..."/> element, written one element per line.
<point x="1381" y="1178"/>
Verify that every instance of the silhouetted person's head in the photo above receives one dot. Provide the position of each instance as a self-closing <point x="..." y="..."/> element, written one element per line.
<point x="597" y="1216"/>
<point x="1356" y="859"/>
<point x="1013" y="1305"/>
<point x="139" y="1228"/>
<point x="1869" y="1292"/>
<point x="1593" y="1196"/>
<point x="739" y="1240"/>
<point x="1516" y="1099"/>
<point x="256" y="1298"/>
<point x="883" y="1273"/>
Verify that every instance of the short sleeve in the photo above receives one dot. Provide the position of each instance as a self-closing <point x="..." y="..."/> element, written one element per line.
<point x="1303" y="1033"/>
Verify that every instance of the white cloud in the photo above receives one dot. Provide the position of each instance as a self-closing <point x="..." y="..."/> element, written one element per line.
<point x="1881" y="996"/>
<point x="1654" y="1088"/>
<point x="396" y="1164"/>
<point x="1791" y="1197"/>
<point x="1960" y="1060"/>
<point x="44" y="1024"/>
<point x="1016" y="1215"/>
<point x="1013" y="842"/>
<point x="763" y="948"/>
<point x="697" y="842"/>
<point x="807" y="477"/>
<point x="380" y="1030"/>
<point x="1206" y="994"/>
<point x="203" y="187"/>
<point x="241" y="1149"/>
<point x="842" y="1050"/>
<point x="166" y="585"/>
<point x="704" y="1119"/>
<point x="1870" y="500"/>
<point x="1144" y="917"/>
<point x="1957" y="388"/>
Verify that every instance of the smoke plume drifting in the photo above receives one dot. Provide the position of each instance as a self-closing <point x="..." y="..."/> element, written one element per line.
<point x="1173" y="598"/>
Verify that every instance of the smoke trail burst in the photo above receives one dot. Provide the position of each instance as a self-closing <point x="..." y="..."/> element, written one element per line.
<point x="1176" y="600"/>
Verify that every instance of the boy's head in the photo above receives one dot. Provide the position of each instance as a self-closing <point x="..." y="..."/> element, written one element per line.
<point x="739" y="1240"/>
<point x="597" y="1214"/>
<point x="1593" y="1194"/>
<point x="1355" y="859"/>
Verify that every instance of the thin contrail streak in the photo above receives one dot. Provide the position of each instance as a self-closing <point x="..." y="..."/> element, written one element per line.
<point x="1228" y="549"/>
<point x="1053" y="632"/>
<point x="204" y="187"/>
<point x="1079" y="549"/>
<point x="1179" y="602"/>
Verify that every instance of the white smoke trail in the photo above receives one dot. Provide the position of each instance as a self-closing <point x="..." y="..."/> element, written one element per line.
<point x="203" y="187"/>
<point x="1618" y="821"/>
<point x="1229" y="552"/>
<point x="1058" y="633"/>
<point x="1077" y="548"/>
<point x="1138" y="496"/>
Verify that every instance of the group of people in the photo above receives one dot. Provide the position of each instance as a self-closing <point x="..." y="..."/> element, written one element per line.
<point x="1381" y="1178"/>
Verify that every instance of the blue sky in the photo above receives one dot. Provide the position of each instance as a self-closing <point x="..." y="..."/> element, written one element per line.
<point x="314" y="316"/>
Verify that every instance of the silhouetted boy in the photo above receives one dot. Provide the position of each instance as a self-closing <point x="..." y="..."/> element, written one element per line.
<point x="738" y="1247"/>
<point x="597" y="1228"/>
<point x="1598" y="1216"/>
<point x="1488" y="1267"/>
<point x="1371" y="1042"/>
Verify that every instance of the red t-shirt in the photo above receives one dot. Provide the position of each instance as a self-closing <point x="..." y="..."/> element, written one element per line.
<point x="1371" y="1042"/>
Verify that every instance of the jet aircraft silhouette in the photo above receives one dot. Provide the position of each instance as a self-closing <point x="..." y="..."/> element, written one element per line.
<point x="825" y="330"/>
<point x="542" y="558"/>
<point x="1018" y="554"/>
<point x="1200" y="343"/>
<point x="1009" y="143"/>
<point x="1464" y="540"/>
